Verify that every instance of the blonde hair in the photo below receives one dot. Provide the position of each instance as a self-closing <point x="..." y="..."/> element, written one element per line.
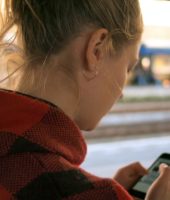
<point x="45" y="27"/>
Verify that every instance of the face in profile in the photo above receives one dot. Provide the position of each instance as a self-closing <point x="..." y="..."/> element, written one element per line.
<point x="107" y="86"/>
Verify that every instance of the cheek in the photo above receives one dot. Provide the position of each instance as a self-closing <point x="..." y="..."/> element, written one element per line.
<point x="112" y="87"/>
<point x="123" y="78"/>
<point x="117" y="78"/>
<point x="120" y="76"/>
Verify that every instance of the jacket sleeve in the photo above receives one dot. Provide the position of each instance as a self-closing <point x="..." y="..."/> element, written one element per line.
<point x="31" y="181"/>
<point x="96" y="188"/>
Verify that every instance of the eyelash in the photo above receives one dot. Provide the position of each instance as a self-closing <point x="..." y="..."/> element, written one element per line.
<point x="132" y="68"/>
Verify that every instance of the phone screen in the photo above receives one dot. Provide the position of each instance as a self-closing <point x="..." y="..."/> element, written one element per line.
<point x="141" y="187"/>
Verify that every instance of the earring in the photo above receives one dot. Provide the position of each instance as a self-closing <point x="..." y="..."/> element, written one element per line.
<point x="90" y="76"/>
<point x="96" y="73"/>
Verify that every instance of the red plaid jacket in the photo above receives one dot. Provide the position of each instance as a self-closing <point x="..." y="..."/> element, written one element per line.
<point x="41" y="150"/>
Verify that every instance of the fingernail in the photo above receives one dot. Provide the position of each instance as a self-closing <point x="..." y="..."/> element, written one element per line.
<point x="164" y="165"/>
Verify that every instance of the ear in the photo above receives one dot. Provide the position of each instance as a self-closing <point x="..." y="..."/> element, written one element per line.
<point x="95" y="50"/>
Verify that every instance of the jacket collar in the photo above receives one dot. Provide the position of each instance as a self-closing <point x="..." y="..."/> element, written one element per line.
<point x="28" y="124"/>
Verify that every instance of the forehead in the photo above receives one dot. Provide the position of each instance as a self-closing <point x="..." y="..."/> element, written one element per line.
<point x="128" y="54"/>
<point x="132" y="50"/>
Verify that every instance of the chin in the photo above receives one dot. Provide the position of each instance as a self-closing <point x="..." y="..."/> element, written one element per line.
<point x="90" y="126"/>
<point x="88" y="129"/>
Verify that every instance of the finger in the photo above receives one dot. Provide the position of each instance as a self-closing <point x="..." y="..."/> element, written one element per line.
<point x="164" y="172"/>
<point x="140" y="169"/>
<point x="162" y="168"/>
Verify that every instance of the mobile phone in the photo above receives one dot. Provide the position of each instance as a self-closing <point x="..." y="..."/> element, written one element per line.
<point x="140" y="188"/>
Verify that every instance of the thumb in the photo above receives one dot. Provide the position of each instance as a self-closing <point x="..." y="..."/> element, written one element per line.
<point x="162" y="168"/>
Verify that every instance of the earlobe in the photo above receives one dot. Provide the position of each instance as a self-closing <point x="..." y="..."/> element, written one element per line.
<point x="90" y="75"/>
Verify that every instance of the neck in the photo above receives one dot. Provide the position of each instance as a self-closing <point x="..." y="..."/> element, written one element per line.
<point x="57" y="88"/>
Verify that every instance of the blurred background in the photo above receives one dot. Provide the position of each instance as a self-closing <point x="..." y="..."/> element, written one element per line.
<point x="138" y="127"/>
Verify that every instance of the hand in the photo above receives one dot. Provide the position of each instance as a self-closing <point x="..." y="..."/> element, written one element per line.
<point x="160" y="189"/>
<point x="128" y="175"/>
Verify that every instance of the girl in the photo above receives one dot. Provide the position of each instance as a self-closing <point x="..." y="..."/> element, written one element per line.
<point x="74" y="59"/>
